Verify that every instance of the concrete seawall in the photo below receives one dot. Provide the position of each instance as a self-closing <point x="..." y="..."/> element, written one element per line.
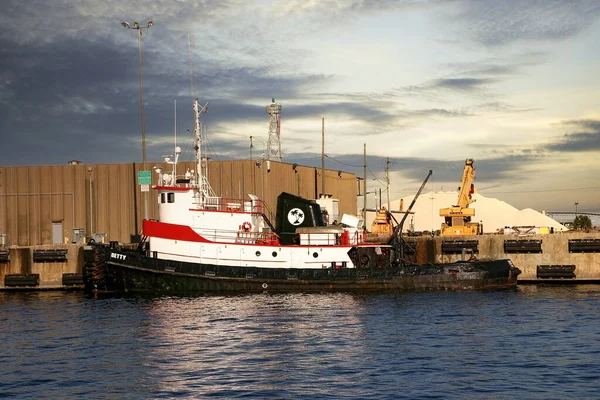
<point x="48" y="264"/>
<point x="544" y="250"/>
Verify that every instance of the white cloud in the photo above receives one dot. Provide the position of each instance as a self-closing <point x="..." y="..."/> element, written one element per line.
<point x="433" y="81"/>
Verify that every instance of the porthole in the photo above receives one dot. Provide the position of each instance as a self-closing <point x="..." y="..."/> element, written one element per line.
<point x="315" y="254"/>
<point x="257" y="254"/>
<point x="274" y="254"/>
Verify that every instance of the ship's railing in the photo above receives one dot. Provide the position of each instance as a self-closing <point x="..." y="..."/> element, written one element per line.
<point x="357" y="237"/>
<point x="188" y="180"/>
<point x="267" y="238"/>
<point x="332" y="238"/>
<point x="239" y="236"/>
<point x="230" y="204"/>
<point x="270" y="238"/>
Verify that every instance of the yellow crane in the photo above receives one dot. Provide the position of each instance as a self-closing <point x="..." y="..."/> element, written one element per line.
<point x="457" y="219"/>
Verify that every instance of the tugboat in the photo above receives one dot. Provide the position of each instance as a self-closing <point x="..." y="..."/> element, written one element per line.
<point x="204" y="243"/>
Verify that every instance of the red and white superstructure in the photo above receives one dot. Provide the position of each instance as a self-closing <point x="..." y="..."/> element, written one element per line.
<point x="194" y="225"/>
<point x="204" y="243"/>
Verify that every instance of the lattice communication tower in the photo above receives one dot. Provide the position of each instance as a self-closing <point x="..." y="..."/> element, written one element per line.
<point x="274" y="142"/>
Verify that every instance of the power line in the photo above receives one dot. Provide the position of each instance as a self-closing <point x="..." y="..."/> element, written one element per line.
<point x="337" y="176"/>
<point x="357" y="166"/>
<point x="343" y="163"/>
<point x="375" y="177"/>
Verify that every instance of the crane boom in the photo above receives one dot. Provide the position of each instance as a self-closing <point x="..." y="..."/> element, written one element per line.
<point x="466" y="187"/>
<point x="457" y="219"/>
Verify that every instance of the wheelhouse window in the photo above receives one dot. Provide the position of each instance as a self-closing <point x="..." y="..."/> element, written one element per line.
<point x="170" y="197"/>
<point x="163" y="198"/>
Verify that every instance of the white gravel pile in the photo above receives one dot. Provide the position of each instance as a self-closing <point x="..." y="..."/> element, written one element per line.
<point x="493" y="213"/>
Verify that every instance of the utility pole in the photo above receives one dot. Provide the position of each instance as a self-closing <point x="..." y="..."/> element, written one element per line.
<point x="90" y="171"/>
<point x="365" y="182"/>
<point x="322" y="156"/>
<point x="387" y="179"/>
<point x="139" y="28"/>
<point x="253" y="168"/>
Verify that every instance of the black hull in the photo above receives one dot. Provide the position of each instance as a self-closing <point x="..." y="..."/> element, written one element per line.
<point x="132" y="272"/>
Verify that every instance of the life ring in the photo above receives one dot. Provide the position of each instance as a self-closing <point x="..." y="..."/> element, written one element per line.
<point x="246" y="226"/>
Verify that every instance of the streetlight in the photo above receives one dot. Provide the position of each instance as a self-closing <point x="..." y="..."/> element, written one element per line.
<point x="576" y="204"/>
<point x="91" y="171"/>
<point x="139" y="28"/>
<point x="253" y="169"/>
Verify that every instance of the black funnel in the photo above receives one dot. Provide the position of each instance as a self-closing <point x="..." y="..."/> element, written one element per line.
<point x="294" y="212"/>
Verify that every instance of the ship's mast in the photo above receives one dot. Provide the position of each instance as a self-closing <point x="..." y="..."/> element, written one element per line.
<point x="198" y="142"/>
<point x="201" y="164"/>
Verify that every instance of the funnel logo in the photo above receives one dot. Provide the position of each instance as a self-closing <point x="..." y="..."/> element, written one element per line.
<point x="295" y="216"/>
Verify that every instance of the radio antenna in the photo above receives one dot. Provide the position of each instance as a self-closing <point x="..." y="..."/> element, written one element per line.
<point x="191" y="71"/>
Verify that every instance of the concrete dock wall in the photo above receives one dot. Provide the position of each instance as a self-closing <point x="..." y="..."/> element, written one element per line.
<point x="554" y="250"/>
<point x="22" y="261"/>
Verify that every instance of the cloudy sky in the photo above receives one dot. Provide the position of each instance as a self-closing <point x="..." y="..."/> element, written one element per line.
<point x="514" y="84"/>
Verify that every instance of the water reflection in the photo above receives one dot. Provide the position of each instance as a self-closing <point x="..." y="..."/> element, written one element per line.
<point x="567" y="290"/>
<point x="264" y="338"/>
<point x="540" y="341"/>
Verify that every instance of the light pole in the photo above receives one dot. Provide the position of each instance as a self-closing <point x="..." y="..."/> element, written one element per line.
<point x="576" y="204"/>
<point x="139" y="28"/>
<point x="432" y="198"/>
<point x="253" y="169"/>
<point x="90" y="171"/>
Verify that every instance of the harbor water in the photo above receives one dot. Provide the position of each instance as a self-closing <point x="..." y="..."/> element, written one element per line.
<point x="538" y="342"/>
